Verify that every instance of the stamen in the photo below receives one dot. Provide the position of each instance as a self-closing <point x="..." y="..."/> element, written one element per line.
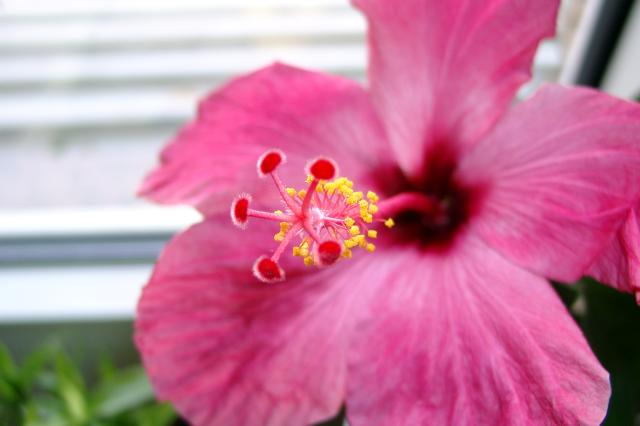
<point x="328" y="218"/>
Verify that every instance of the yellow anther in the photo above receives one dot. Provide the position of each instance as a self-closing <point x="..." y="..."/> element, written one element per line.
<point x="372" y="196"/>
<point x="284" y="227"/>
<point x="308" y="260"/>
<point x="304" y="249"/>
<point x="309" y="179"/>
<point x="278" y="212"/>
<point x="371" y="248"/>
<point x="291" y="192"/>
<point x="340" y="181"/>
<point x="320" y="188"/>
<point x="349" y="221"/>
<point x="279" y="236"/>
<point x="363" y="204"/>
<point x="358" y="195"/>
<point x="372" y="233"/>
<point x="348" y="183"/>
<point x="330" y="188"/>
<point x="358" y="238"/>
<point x="389" y="223"/>
<point x="345" y="190"/>
<point x="350" y="243"/>
<point x="296" y="251"/>
<point x="347" y="254"/>
<point x="351" y="200"/>
<point x="302" y="193"/>
<point x="366" y="217"/>
<point x="354" y="230"/>
<point x="373" y="209"/>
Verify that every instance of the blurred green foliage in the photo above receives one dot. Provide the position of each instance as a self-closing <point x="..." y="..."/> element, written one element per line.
<point x="612" y="326"/>
<point x="47" y="389"/>
<point x="610" y="320"/>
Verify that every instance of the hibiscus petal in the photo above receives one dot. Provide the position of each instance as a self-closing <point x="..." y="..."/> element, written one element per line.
<point x="303" y="113"/>
<point x="471" y="339"/>
<point x="229" y="350"/>
<point x="560" y="171"/>
<point x="444" y="71"/>
<point x="619" y="264"/>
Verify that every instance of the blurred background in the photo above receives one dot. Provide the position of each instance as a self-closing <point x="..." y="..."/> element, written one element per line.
<point x="90" y="90"/>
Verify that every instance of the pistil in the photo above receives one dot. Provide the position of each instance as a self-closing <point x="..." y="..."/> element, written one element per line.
<point x="328" y="219"/>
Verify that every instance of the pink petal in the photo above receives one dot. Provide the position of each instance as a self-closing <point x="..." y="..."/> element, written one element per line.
<point x="226" y="349"/>
<point x="306" y="114"/>
<point x="471" y="339"/>
<point x="619" y="264"/>
<point x="560" y="172"/>
<point x="444" y="71"/>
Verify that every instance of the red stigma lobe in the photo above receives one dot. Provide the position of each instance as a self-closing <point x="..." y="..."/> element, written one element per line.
<point x="267" y="270"/>
<point x="328" y="252"/>
<point x="269" y="161"/>
<point x="240" y="210"/>
<point x="322" y="168"/>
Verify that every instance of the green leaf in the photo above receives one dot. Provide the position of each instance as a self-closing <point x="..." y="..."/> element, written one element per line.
<point x="155" y="415"/>
<point x="125" y="391"/>
<point x="106" y="369"/>
<point x="34" y="365"/>
<point x="71" y="390"/>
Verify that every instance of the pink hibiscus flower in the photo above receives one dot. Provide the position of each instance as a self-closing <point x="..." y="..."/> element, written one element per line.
<point x="451" y="319"/>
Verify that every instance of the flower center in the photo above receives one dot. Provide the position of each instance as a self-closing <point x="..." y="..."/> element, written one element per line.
<point x="323" y="223"/>
<point x="433" y="209"/>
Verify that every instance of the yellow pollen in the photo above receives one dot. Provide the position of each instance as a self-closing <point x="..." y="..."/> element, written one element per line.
<point x="389" y="223"/>
<point x="358" y="238"/>
<point x="302" y="193"/>
<point x="320" y="188"/>
<point x="354" y="230"/>
<point x="347" y="254"/>
<point x="308" y="260"/>
<point x="296" y="251"/>
<point x="349" y="221"/>
<point x="278" y="212"/>
<point x="372" y="196"/>
<point x="284" y="226"/>
<point x="291" y="192"/>
<point x="366" y="217"/>
<point x="304" y="249"/>
<point x="372" y="233"/>
<point x="345" y="190"/>
<point x="350" y="243"/>
<point x="279" y="236"/>
<point x="373" y="209"/>
<point x="371" y="248"/>
<point x="309" y="179"/>
<point x="363" y="204"/>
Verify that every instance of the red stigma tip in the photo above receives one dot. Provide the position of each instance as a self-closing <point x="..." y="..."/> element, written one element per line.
<point x="240" y="210"/>
<point x="328" y="252"/>
<point x="322" y="168"/>
<point x="269" y="161"/>
<point x="267" y="270"/>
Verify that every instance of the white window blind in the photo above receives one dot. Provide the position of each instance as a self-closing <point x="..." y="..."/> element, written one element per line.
<point x="89" y="92"/>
